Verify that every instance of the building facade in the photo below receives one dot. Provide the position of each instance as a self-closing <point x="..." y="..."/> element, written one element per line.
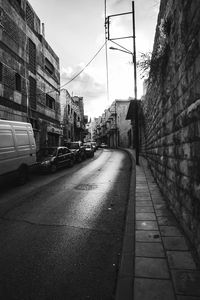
<point x="72" y="117"/>
<point x="112" y="127"/>
<point x="29" y="73"/>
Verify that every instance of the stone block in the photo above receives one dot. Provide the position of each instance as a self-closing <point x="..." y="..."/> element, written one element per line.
<point x="146" y="216"/>
<point x="175" y="243"/>
<point x="151" y="267"/>
<point x="148" y="236"/>
<point x="170" y="231"/>
<point x="151" y="289"/>
<point x="181" y="260"/>
<point x="146" y="225"/>
<point x="187" y="282"/>
<point x="149" y="249"/>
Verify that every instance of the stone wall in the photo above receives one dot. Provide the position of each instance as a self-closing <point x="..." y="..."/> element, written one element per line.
<point x="172" y="111"/>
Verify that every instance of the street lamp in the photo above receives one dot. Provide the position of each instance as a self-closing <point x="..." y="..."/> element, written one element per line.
<point x="126" y="51"/>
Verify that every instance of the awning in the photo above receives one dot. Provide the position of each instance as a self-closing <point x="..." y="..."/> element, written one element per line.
<point x="132" y="109"/>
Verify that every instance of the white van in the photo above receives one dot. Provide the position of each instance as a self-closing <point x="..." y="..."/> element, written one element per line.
<point x="17" y="149"/>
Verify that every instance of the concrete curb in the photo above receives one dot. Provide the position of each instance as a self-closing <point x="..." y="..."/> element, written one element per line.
<point x="125" y="278"/>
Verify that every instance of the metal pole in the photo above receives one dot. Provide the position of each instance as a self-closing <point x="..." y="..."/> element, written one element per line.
<point x="135" y="90"/>
<point x="106" y="51"/>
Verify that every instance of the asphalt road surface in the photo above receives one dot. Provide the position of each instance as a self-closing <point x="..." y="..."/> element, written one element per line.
<point x="61" y="234"/>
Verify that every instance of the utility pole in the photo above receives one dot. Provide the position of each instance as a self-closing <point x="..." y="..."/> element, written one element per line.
<point x="135" y="90"/>
<point x="123" y="49"/>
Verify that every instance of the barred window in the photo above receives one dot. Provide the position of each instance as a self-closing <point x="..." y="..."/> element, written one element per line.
<point x="32" y="56"/>
<point x="50" y="102"/>
<point x="18" y="86"/>
<point x="1" y="71"/>
<point x="29" y="16"/>
<point x="32" y="92"/>
<point x="49" y="67"/>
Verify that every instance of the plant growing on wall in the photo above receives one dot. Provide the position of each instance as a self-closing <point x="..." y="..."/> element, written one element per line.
<point x="152" y="65"/>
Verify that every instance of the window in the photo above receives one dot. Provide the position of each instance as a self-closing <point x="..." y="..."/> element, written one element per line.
<point x="68" y="108"/>
<point x="18" y="82"/>
<point x="50" y="102"/>
<point x="32" y="92"/>
<point x="49" y="67"/>
<point x="32" y="56"/>
<point x="29" y="16"/>
<point x="60" y="152"/>
<point x="1" y="71"/>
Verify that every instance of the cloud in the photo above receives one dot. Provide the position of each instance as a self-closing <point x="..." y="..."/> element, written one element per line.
<point x="86" y="86"/>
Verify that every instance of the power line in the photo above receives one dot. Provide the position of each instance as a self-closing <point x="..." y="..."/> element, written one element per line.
<point x="75" y="76"/>
<point x="84" y="67"/>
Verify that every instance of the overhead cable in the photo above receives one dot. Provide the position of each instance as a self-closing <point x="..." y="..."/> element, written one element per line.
<point x="75" y="76"/>
<point x="84" y="67"/>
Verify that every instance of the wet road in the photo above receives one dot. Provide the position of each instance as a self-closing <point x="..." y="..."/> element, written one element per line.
<point x="61" y="234"/>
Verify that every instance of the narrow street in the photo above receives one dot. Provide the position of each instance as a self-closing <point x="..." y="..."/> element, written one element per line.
<point x="61" y="234"/>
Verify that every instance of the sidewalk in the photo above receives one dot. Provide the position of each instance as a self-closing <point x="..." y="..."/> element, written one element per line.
<point x="157" y="261"/>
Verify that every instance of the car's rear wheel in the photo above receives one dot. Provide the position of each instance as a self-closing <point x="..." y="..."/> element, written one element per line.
<point x="71" y="163"/>
<point x="53" y="168"/>
<point x="22" y="175"/>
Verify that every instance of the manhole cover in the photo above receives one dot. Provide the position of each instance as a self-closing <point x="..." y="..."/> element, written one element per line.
<point x="86" y="187"/>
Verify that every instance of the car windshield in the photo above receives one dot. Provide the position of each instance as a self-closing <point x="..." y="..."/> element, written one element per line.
<point x="73" y="146"/>
<point x="47" y="152"/>
<point x="87" y="145"/>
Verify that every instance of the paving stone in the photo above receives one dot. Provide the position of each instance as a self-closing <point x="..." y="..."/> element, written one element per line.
<point x="143" y="203"/>
<point x="163" y="212"/>
<point x="142" y="198"/>
<point x="153" y="289"/>
<point x="175" y="243"/>
<point x="187" y="282"/>
<point x="148" y="236"/>
<point x="146" y="225"/>
<point x="151" y="267"/>
<point x="170" y="231"/>
<point x="181" y="260"/>
<point x="145" y="216"/>
<point x="156" y="197"/>
<point x="168" y="220"/>
<point x="144" y="209"/>
<point x="159" y="206"/>
<point x="149" y="249"/>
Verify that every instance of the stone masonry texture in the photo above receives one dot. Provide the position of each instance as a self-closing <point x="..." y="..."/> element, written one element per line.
<point x="171" y="111"/>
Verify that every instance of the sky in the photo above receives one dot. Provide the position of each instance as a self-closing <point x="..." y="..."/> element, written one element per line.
<point x="75" y="30"/>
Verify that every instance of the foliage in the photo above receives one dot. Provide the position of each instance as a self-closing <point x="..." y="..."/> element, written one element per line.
<point x="152" y="65"/>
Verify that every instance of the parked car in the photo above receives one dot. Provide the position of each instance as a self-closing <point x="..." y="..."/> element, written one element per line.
<point x="78" y="150"/>
<point x="94" y="145"/>
<point x="17" y="150"/>
<point x="103" y="145"/>
<point x="52" y="158"/>
<point x="89" y="149"/>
